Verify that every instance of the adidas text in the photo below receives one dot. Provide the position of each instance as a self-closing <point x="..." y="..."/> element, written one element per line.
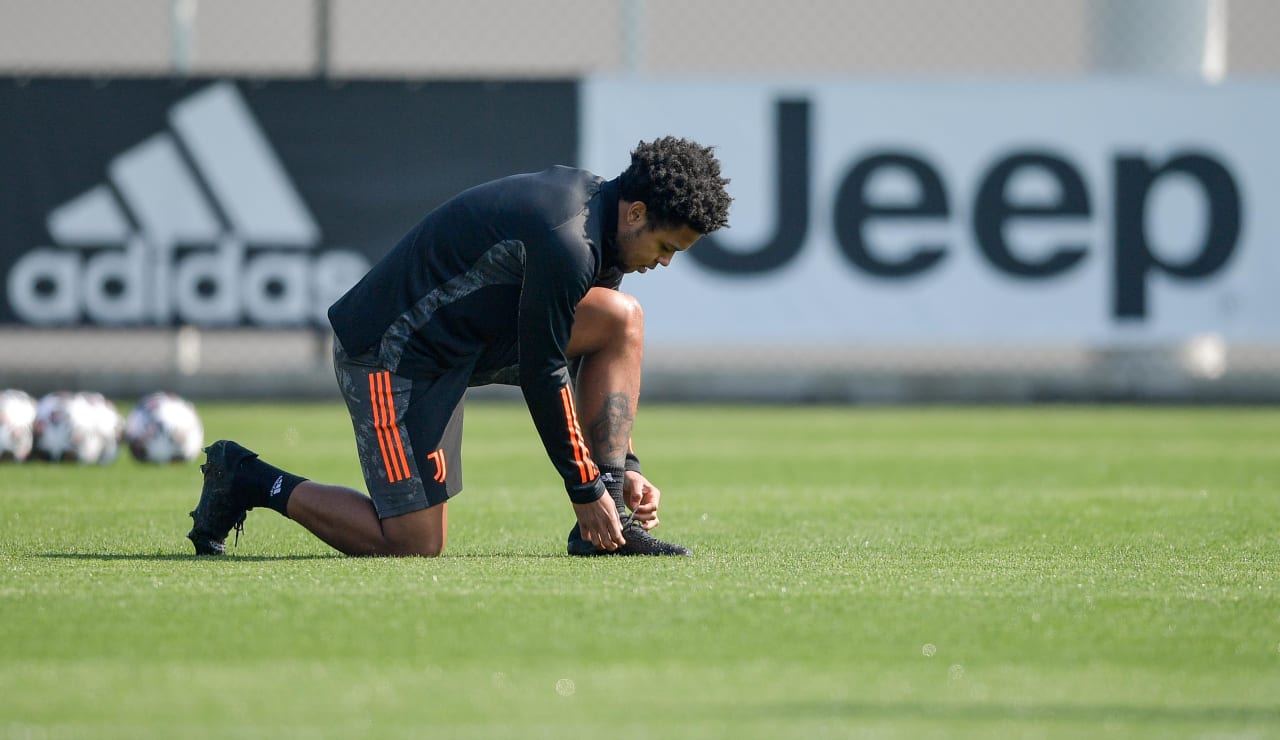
<point x="197" y="224"/>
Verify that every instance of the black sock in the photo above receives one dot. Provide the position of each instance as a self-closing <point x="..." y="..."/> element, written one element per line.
<point x="261" y="484"/>
<point x="613" y="477"/>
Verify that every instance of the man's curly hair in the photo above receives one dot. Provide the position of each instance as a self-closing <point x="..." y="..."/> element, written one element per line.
<point x="679" y="182"/>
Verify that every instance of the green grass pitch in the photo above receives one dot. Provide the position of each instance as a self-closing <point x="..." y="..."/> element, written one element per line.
<point x="902" y="573"/>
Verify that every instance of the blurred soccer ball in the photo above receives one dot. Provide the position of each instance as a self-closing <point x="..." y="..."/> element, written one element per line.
<point x="1204" y="356"/>
<point x="72" y="427"/>
<point x="164" y="428"/>
<point x="109" y="425"/>
<point x="17" y="425"/>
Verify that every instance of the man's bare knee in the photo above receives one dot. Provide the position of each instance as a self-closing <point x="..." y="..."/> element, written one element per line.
<point x="420" y="549"/>
<point x="605" y="319"/>
<point x="408" y="548"/>
<point x="625" y="310"/>
<point x="418" y="534"/>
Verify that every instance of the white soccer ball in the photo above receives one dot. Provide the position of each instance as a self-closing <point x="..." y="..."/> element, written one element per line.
<point x="164" y="428"/>
<point x="17" y="425"/>
<point x="68" y="429"/>
<point x="109" y="425"/>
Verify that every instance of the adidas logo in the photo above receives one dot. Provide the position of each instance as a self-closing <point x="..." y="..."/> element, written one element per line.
<point x="197" y="224"/>
<point x="275" y="487"/>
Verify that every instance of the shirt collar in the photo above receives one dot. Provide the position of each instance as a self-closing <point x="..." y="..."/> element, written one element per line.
<point x="610" y="194"/>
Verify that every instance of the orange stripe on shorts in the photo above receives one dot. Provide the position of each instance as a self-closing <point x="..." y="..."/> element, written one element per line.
<point x="384" y="424"/>
<point x="392" y="429"/>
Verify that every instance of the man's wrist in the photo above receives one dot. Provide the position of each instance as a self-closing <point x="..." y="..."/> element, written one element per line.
<point x="587" y="493"/>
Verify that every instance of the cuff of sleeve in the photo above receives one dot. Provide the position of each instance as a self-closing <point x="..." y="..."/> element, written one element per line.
<point x="587" y="492"/>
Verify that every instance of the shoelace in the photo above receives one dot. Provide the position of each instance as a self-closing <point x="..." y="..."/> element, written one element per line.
<point x="638" y="533"/>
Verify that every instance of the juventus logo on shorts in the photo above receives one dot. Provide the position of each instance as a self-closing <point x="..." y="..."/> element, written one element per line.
<point x="442" y="468"/>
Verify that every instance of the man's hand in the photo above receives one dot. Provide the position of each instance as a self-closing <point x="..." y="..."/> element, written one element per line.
<point x="598" y="522"/>
<point x="642" y="497"/>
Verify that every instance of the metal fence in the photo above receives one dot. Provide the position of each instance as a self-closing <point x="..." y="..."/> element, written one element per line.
<point x="497" y="39"/>
<point x="541" y="38"/>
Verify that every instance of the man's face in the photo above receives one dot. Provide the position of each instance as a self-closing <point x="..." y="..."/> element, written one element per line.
<point x="642" y="245"/>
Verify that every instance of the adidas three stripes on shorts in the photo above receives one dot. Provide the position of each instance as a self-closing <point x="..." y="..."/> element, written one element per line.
<point x="408" y="432"/>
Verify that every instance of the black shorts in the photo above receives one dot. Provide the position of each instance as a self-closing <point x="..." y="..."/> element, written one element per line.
<point x="408" y="432"/>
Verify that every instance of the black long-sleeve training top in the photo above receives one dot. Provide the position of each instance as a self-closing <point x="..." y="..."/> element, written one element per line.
<point x="489" y="282"/>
